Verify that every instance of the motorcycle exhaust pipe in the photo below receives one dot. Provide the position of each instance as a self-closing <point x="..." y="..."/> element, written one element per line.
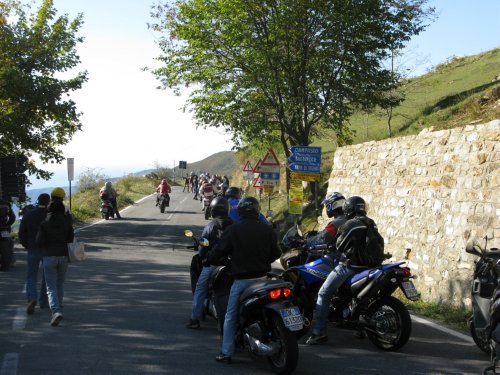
<point x="259" y="348"/>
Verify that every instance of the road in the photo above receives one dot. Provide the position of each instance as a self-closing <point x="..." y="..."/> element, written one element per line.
<point x="125" y="308"/>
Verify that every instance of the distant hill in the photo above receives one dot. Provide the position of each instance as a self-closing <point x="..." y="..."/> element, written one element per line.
<point x="223" y="163"/>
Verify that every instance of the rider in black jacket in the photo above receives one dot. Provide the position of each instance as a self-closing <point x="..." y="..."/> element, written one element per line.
<point x="219" y="209"/>
<point x="252" y="247"/>
<point x="334" y="208"/>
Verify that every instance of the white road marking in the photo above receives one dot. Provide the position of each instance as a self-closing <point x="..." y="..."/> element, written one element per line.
<point x="9" y="364"/>
<point x="175" y="209"/>
<point x="447" y="330"/>
<point x="19" y="321"/>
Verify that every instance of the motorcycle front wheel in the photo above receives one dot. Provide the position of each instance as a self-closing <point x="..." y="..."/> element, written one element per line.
<point x="481" y="342"/>
<point x="162" y="206"/>
<point x="285" y="360"/>
<point x="389" y="326"/>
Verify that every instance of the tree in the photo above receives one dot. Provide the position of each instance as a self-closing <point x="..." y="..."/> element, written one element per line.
<point x="36" y="114"/>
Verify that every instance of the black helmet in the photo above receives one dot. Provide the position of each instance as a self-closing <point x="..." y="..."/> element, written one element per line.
<point x="219" y="207"/>
<point x="354" y="206"/>
<point x="249" y="207"/>
<point x="233" y="192"/>
<point x="334" y="203"/>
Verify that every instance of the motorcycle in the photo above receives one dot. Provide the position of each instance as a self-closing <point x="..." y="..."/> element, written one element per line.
<point x="107" y="209"/>
<point x="364" y="302"/>
<point x="294" y="249"/>
<point x="163" y="201"/>
<point x="268" y="319"/>
<point x="206" y="200"/>
<point x="485" y="296"/>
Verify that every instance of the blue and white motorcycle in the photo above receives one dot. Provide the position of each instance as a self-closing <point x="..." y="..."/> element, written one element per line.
<point x="365" y="302"/>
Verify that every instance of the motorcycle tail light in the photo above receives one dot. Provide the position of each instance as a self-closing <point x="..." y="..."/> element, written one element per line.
<point x="275" y="293"/>
<point x="406" y="271"/>
<point x="287" y="292"/>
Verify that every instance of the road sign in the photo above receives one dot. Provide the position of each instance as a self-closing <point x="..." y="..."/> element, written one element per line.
<point x="270" y="159"/>
<point x="71" y="168"/>
<point x="248" y="176"/>
<point x="248" y="167"/>
<point x="309" y="150"/>
<point x="257" y="166"/>
<point x="295" y="167"/>
<point x="295" y="196"/>
<point x="305" y="159"/>
<point x="258" y="183"/>
<point x="305" y="176"/>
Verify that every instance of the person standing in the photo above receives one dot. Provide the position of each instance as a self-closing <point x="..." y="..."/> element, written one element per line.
<point x="350" y="240"/>
<point x="53" y="236"/>
<point x="251" y="246"/>
<point x="7" y="218"/>
<point x="194" y="184"/>
<point x="28" y="229"/>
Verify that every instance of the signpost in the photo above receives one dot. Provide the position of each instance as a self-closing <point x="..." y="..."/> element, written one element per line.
<point x="71" y="175"/>
<point x="270" y="169"/>
<point x="305" y="165"/>
<point x="248" y="171"/>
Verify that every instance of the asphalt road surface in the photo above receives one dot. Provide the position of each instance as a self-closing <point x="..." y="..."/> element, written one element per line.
<point x="126" y="306"/>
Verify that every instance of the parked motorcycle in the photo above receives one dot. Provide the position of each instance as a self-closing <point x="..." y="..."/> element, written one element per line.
<point x="485" y="296"/>
<point x="268" y="320"/>
<point x="294" y="249"/>
<point x="163" y="201"/>
<point x="364" y="302"/>
<point x="107" y="209"/>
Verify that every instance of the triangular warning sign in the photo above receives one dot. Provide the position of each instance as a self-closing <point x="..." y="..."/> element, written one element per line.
<point x="248" y="167"/>
<point x="270" y="159"/>
<point x="258" y="183"/>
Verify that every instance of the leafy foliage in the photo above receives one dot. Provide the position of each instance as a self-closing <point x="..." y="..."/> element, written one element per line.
<point x="278" y="70"/>
<point x="36" y="114"/>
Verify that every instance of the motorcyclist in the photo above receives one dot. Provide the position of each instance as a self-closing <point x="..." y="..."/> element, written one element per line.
<point x="233" y="195"/>
<point x="109" y="192"/>
<point x="206" y="191"/>
<point x="334" y="208"/>
<point x="212" y="232"/>
<point x="252" y="247"/>
<point x="163" y="188"/>
<point x="351" y="236"/>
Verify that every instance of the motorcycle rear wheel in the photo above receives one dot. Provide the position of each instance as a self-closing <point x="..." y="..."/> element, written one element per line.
<point x="162" y="206"/>
<point x="207" y="212"/>
<point x="106" y="216"/>
<point x="285" y="361"/>
<point x="391" y="322"/>
<point x="481" y="343"/>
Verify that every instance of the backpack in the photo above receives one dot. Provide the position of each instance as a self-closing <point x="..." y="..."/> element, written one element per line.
<point x="371" y="253"/>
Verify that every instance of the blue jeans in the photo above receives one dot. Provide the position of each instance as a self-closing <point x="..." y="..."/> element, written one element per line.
<point x="200" y="292"/>
<point x="55" y="273"/>
<point x="334" y="280"/>
<point x="33" y="260"/>
<point x="231" y="319"/>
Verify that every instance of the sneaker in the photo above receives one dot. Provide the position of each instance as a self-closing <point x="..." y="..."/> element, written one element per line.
<point x="316" y="339"/>
<point x="193" y="324"/>
<point x="31" y="307"/>
<point x="223" y="358"/>
<point x="56" y="319"/>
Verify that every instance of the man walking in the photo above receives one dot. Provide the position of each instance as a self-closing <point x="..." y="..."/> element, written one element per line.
<point x="27" y="237"/>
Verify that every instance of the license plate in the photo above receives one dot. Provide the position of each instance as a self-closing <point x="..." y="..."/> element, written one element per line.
<point x="292" y="318"/>
<point x="410" y="291"/>
<point x="104" y="209"/>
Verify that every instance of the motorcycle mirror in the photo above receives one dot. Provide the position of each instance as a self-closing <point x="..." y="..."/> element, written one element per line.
<point x="473" y="247"/>
<point x="188" y="233"/>
<point x="204" y="242"/>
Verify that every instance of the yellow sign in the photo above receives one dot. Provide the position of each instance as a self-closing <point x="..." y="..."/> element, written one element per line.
<point x="301" y="176"/>
<point x="268" y="188"/>
<point x="295" y="196"/>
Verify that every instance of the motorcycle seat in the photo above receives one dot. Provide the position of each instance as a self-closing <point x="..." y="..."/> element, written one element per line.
<point x="261" y="286"/>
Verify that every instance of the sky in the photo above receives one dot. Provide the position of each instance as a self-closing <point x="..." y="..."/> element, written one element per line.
<point x="129" y="125"/>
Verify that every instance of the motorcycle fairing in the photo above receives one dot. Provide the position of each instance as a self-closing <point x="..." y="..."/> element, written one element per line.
<point x="372" y="273"/>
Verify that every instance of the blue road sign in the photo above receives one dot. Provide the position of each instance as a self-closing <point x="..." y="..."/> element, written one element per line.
<point x="304" y="168"/>
<point x="269" y="176"/>
<point x="306" y="159"/>
<point x="309" y="150"/>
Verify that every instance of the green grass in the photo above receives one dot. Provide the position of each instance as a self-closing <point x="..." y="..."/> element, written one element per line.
<point x="452" y="316"/>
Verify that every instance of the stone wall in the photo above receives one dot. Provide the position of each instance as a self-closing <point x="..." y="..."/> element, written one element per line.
<point x="429" y="194"/>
